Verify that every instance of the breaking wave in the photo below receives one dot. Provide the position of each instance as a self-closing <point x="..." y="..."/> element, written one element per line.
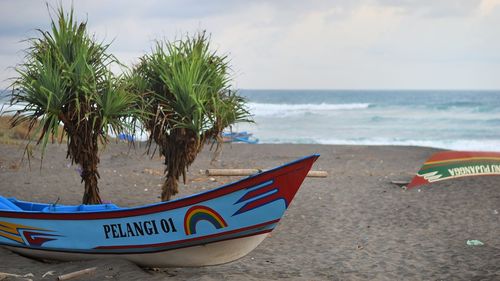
<point x="458" y="144"/>
<point x="273" y="109"/>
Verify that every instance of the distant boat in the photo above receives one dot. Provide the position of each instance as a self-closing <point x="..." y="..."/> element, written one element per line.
<point x="457" y="164"/>
<point x="239" y="137"/>
<point x="213" y="227"/>
<point x="126" y="137"/>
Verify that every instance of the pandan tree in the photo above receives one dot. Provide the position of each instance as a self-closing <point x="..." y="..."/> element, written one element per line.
<point x="187" y="92"/>
<point x="65" y="81"/>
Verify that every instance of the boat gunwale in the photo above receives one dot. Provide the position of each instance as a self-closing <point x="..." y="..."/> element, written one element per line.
<point x="155" y="207"/>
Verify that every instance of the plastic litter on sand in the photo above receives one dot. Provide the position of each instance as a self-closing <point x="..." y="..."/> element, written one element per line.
<point x="474" y="243"/>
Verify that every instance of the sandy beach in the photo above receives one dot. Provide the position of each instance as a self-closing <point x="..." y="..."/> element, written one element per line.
<point x="352" y="225"/>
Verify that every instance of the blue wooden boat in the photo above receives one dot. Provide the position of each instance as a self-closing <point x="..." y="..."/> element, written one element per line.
<point x="244" y="137"/>
<point x="213" y="227"/>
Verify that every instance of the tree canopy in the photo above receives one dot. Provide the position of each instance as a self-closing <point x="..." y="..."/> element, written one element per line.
<point x="66" y="79"/>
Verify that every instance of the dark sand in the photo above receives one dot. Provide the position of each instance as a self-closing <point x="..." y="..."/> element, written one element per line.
<point x="353" y="225"/>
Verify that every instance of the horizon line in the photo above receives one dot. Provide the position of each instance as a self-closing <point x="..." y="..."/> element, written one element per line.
<point x="366" y="89"/>
<point x="346" y="89"/>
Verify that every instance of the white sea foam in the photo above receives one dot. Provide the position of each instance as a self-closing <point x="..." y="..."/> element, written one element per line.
<point x="465" y="145"/>
<point x="272" y="109"/>
<point x="458" y="144"/>
<point x="7" y="109"/>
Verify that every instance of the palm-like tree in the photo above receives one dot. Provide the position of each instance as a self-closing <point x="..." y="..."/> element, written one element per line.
<point x="65" y="79"/>
<point x="186" y="88"/>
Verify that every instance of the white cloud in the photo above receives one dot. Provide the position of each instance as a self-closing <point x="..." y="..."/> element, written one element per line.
<point x="488" y="6"/>
<point x="299" y="44"/>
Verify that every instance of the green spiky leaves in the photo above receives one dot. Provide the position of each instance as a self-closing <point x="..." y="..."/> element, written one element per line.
<point x="186" y="87"/>
<point x="65" y="79"/>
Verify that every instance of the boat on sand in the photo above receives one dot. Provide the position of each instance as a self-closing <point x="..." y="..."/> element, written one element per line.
<point x="209" y="228"/>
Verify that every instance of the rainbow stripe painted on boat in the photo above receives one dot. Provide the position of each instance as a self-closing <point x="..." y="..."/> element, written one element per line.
<point x="202" y="213"/>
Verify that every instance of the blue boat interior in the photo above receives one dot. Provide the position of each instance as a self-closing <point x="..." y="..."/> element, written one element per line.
<point x="12" y="204"/>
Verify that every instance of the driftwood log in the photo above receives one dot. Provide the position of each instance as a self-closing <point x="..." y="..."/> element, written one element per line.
<point x="5" y="275"/>
<point x="248" y="172"/>
<point x="76" y="273"/>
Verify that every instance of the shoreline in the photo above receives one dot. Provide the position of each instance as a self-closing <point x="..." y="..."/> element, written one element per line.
<point x="354" y="224"/>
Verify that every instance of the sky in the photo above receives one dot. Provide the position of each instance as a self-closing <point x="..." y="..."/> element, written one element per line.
<point x="295" y="44"/>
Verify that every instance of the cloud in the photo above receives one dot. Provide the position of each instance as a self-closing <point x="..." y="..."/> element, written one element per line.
<point x="298" y="44"/>
<point x="432" y="8"/>
<point x="488" y="6"/>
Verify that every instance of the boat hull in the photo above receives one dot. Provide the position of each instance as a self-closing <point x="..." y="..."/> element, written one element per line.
<point x="209" y="228"/>
<point x="201" y="255"/>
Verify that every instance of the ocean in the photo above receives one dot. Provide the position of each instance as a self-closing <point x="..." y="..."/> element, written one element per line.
<point x="459" y="120"/>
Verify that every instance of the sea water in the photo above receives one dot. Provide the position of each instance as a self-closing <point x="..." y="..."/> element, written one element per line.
<point x="460" y="120"/>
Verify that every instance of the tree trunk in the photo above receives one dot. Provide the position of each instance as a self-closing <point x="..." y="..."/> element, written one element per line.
<point x="179" y="149"/>
<point x="83" y="150"/>
<point x="89" y="160"/>
<point x="89" y="176"/>
<point x="169" y="188"/>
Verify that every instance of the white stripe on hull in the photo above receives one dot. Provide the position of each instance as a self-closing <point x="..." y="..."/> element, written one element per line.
<point x="209" y="254"/>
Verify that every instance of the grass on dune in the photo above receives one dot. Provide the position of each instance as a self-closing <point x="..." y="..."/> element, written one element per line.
<point x="18" y="134"/>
